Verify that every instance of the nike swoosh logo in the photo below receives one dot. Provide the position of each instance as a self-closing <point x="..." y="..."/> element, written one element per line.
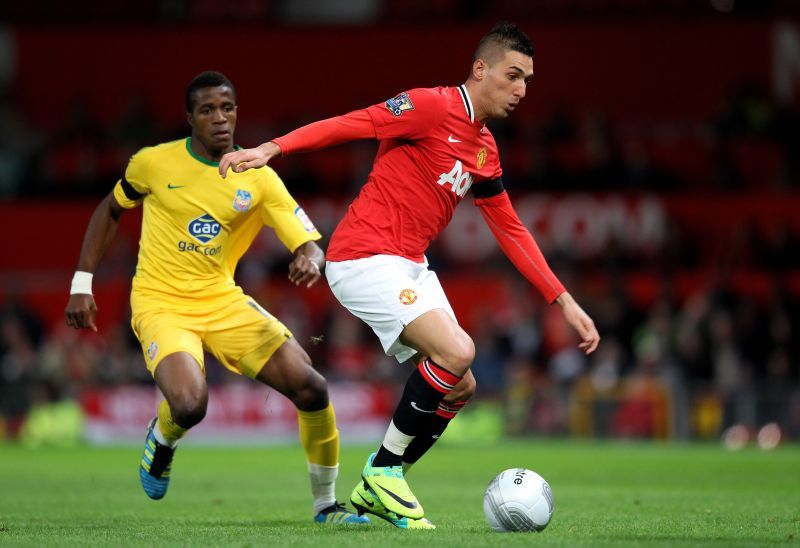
<point x="414" y="405"/>
<point x="451" y="140"/>
<point x="405" y="503"/>
<point x="368" y="503"/>
<point x="173" y="187"/>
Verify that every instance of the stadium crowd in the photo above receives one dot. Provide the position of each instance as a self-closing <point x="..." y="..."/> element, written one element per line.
<point x="749" y="143"/>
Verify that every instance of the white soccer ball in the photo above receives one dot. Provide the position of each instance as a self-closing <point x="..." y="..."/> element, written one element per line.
<point x="518" y="500"/>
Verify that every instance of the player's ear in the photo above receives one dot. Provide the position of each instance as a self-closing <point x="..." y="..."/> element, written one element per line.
<point x="190" y="118"/>
<point x="479" y="67"/>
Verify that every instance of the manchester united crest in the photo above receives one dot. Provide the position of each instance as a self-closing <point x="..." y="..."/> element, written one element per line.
<point x="481" y="158"/>
<point x="408" y="296"/>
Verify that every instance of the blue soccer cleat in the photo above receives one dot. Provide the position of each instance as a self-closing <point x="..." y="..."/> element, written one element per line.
<point x="337" y="514"/>
<point x="154" y="469"/>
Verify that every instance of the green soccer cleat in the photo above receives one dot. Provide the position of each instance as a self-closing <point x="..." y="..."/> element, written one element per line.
<point x="337" y="514"/>
<point x="365" y="502"/>
<point x="389" y="485"/>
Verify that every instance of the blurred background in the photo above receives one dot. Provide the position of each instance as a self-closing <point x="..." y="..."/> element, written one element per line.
<point x="655" y="158"/>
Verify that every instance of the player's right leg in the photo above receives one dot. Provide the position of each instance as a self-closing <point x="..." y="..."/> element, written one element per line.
<point x="405" y="305"/>
<point x="173" y="352"/>
<point x="448" y="352"/>
<point x="183" y="384"/>
<point x="449" y="407"/>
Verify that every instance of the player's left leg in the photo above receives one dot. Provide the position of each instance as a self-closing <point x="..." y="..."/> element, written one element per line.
<point x="289" y="371"/>
<point x="247" y="339"/>
<point x="452" y="403"/>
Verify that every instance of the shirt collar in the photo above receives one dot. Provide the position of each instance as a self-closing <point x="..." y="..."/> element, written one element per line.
<point x="462" y="89"/>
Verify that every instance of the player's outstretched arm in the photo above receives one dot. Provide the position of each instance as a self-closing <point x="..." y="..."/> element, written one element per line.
<point x="325" y="133"/>
<point x="581" y="321"/>
<point x="81" y="311"/>
<point x="307" y="264"/>
<point x="248" y="158"/>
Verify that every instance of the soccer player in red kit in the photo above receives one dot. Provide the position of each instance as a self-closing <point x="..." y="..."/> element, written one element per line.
<point x="434" y="148"/>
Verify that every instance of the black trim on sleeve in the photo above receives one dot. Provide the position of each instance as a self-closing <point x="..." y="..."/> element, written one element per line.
<point x="130" y="192"/>
<point x="488" y="189"/>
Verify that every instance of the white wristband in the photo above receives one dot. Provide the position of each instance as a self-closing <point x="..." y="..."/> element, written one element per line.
<point x="81" y="283"/>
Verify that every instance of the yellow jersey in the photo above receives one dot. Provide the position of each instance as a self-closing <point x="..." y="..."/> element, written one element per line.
<point x="196" y="225"/>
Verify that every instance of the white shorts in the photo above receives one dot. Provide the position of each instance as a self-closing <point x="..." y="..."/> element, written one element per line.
<point x="388" y="293"/>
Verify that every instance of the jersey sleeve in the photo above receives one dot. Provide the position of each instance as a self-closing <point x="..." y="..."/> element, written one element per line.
<point x="282" y="213"/>
<point x="515" y="240"/>
<point x="410" y="115"/>
<point x="132" y="188"/>
<point x="332" y="131"/>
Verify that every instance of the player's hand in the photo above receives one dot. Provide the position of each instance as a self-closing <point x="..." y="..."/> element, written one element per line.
<point x="248" y="158"/>
<point x="581" y="321"/>
<point x="303" y="270"/>
<point x="81" y="312"/>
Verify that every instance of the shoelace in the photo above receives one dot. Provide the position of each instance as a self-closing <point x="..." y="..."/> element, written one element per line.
<point x="393" y="471"/>
<point x="335" y="507"/>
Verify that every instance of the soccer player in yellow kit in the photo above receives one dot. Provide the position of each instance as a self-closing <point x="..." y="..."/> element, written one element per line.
<point x="195" y="228"/>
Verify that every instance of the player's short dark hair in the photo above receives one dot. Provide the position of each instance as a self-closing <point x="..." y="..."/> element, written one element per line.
<point x="207" y="79"/>
<point x="506" y="36"/>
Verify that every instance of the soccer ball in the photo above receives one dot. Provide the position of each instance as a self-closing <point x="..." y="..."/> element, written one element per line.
<point x="518" y="500"/>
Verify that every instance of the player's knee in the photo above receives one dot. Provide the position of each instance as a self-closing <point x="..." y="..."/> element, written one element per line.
<point x="313" y="394"/>
<point x="459" y="355"/>
<point x="189" y="408"/>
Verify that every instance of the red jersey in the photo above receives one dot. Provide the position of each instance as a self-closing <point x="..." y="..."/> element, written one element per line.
<point x="432" y="150"/>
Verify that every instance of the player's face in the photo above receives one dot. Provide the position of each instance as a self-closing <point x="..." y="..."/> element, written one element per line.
<point x="507" y="80"/>
<point x="214" y="118"/>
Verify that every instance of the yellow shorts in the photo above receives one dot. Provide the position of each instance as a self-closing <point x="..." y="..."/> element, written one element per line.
<point x="239" y="333"/>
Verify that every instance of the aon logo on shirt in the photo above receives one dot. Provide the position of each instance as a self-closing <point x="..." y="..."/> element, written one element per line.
<point x="459" y="179"/>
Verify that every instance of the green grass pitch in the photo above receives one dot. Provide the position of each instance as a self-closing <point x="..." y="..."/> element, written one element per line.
<point x="606" y="494"/>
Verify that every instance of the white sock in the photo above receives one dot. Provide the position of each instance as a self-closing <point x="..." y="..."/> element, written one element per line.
<point x="323" y="485"/>
<point x="160" y="437"/>
<point x="395" y="441"/>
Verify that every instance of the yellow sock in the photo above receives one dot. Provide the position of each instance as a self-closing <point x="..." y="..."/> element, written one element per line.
<point x="320" y="439"/>
<point x="319" y="436"/>
<point x="170" y="432"/>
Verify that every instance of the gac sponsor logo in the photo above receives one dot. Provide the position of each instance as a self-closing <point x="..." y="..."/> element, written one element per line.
<point x="204" y="228"/>
<point x="193" y="247"/>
